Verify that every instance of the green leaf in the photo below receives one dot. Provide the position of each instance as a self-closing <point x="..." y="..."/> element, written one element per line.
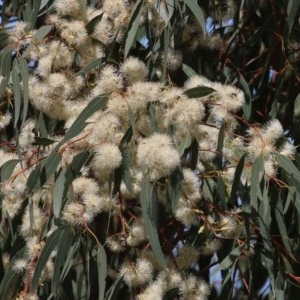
<point x="74" y="168"/>
<point x="282" y="228"/>
<point x="256" y="175"/>
<point x="197" y="11"/>
<point x="175" y="187"/>
<point x="194" y="154"/>
<point x="95" y="63"/>
<point x="247" y="107"/>
<point x="68" y="263"/>
<point x="199" y="91"/>
<point x="292" y="10"/>
<point x="65" y="242"/>
<point x="126" y="169"/>
<point x="102" y="270"/>
<point x="114" y="290"/>
<point x="188" y="71"/>
<point x="146" y="198"/>
<point x="184" y="144"/>
<point x="165" y="10"/>
<point x="91" y="24"/>
<point x="151" y="115"/>
<point x="297" y="109"/>
<point x="58" y="193"/>
<point x="7" y="169"/>
<point x="24" y="77"/>
<point x="219" y="158"/>
<point x="221" y="190"/>
<point x="30" y="12"/>
<point x="79" y="124"/>
<point x="237" y="179"/>
<point x="41" y="33"/>
<point x="11" y="280"/>
<point x="41" y="141"/>
<point x="51" y="244"/>
<point x="133" y="26"/>
<point x="287" y="166"/>
<point x="228" y="261"/>
<point x="6" y="57"/>
<point x="43" y="171"/>
<point x="17" y="91"/>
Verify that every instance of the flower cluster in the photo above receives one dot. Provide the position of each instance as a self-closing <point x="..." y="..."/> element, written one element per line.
<point x="146" y="132"/>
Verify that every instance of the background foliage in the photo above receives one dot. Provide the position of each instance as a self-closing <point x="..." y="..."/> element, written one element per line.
<point x="253" y="45"/>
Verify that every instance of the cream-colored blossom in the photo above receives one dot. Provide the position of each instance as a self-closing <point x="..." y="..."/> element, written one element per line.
<point x="156" y="156"/>
<point x="134" y="70"/>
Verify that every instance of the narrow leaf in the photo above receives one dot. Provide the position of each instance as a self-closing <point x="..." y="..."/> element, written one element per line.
<point x="197" y="11"/>
<point x="102" y="270"/>
<point x="256" y="175"/>
<point x="199" y="91"/>
<point x="79" y="124"/>
<point x="64" y="244"/>
<point x="51" y="243"/>
<point x="58" y="193"/>
<point x="24" y="77"/>
<point x="188" y="71"/>
<point x="185" y="143"/>
<point x="146" y="198"/>
<point x="133" y="26"/>
<point x="17" y="91"/>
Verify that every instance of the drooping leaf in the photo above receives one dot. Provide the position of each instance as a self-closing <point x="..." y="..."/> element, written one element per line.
<point x="51" y="244"/>
<point x="133" y="26"/>
<point x="219" y="157"/>
<point x="151" y="230"/>
<point x="79" y="124"/>
<point x="287" y="165"/>
<point x="228" y="261"/>
<point x="126" y="169"/>
<point x="256" y="175"/>
<point x="64" y="244"/>
<point x="175" y="187"/>
<point x="292" y="10"/>
<point x="237" y="179"/>
<point x="197" y="11"/>
<point x="94" y="64"/>
<point x="102" y="270"/>
<point x="221" y="191"/>
<point x="58" y="192"/>
<point x="11" y="280"/>
<point x="91" y="24"/>
<point x="247" y="106"/>
<point x="17" y="91"/>
<point x="31" y="12"/>
<point x="114" y="290"/>
<point x="24" y="77"/>
<point x="185" y="143"/>
<point x="151" y="115"/>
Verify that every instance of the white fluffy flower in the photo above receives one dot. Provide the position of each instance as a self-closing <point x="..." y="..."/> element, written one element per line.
<point x="156" y="156"/>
